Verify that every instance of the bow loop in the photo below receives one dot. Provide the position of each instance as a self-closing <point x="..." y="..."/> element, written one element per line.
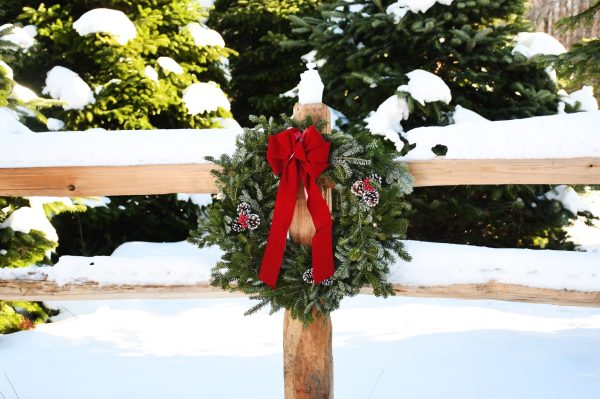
<point x="298" y="156"/>
<point x="280" y="148"/>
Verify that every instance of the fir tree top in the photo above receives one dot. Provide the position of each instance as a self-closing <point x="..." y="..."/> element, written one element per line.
<point x="367" y="51"/>
<point x="132" y="88"/>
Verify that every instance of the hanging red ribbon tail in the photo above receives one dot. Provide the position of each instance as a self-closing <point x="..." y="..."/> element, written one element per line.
<point x="298" y="156"/>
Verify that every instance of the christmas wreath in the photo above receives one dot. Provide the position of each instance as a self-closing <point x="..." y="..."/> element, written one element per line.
<point x="368" y="190"/>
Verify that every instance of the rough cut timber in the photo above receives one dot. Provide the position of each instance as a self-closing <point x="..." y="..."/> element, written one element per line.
<point x="196" y="178"/>
<point x="44" y="290"/>
<point x="308" y="358"/>
<point x="453" y="172"/>
<point x="78" y="181"/>
<point x="307" y="352"/>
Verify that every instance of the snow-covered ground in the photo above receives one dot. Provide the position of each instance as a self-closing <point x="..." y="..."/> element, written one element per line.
<point x="383" y="348"/>
<point x="587" y="237"/>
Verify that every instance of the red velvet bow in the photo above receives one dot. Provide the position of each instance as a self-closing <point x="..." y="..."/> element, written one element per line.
<point x="294" y="155"/>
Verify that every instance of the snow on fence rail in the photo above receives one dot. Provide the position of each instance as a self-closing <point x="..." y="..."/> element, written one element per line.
<point x="559" y="277"/>
<point x="553" y="149"/>
<point x="558" y="149"/>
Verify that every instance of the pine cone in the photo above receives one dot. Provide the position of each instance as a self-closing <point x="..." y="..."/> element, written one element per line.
<point x="371" y="198"/>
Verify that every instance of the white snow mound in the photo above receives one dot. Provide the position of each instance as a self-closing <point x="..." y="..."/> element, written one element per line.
<point x="26" y="219"/>
<point x="466" y="264"/>
<point x="228" y="123"/>
<point x="401" y="7"/>
<point x="31" y="30"/>
<point x="151" y="73"/>
<point x="386" y="120"/>
<point x="584" y="96"/>
<point x="105" y="20"/>
<point x="183" y="263"/>
<point x="553" y="136"/>
<point x="204" y="97"/>
<point x="7" y="69"/>
<point x="66" y="85"/>
<point x="112" y="148"/>
<point x="425" y="87"/>
<point x="204" y="36"/>
<point x="55" y="124"/>
<point x="9" y="122"/>
<point x="568" y="197"/>
<point x="168" y="64"/>
<point x="533" y="43"/>
<point x="465" y="115"/>
<point x="20" y="37"/>
<point x="23" y="93"/>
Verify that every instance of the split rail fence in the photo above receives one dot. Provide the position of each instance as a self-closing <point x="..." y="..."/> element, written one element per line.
<point x="78" y="181"/>
<point x="307" y="352"/>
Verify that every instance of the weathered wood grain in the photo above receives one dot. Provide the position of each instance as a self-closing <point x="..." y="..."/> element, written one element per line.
<point x="42" y="290"/>
<point x="455" y="172"/>
<point x="78" y="181"/>
<point x="196" y="178"/>
<point x="307" y="352"/>
<point x="91" y="290"/>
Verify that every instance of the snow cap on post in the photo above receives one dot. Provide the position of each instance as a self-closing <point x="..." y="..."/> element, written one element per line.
<point x="310" y="88"/>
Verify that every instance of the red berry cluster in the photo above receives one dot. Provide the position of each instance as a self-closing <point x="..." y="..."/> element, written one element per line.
<point x="366" y="190"/>
<point x="245" y="220"/>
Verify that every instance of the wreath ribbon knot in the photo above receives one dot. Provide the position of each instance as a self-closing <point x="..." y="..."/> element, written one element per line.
<point x="295" y="156"/>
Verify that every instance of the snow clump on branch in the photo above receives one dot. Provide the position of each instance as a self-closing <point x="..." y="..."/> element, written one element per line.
<point x="530" y="44"/>
<point x="204" y="36"/>
<point x="151" y="73"/>
<point x="105" y="20"/>
<point x="65" y="85"/>
<point x="168" y="64"/>
<point x="568" y="197"/>
<point x="386" y="120"/>
<point x="22" y="38"/>
<point x="584" y="96"/>
<point x="422" y="86"/>
<point x="30" y="218"/>
<point x="204" y="97"/>
<point x="7" y="69"/>
<point x="426" y="87"/>
<point x="400" y="8"/>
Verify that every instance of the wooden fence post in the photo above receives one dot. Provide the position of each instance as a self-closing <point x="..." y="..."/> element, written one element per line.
<point x="307" y="352"/>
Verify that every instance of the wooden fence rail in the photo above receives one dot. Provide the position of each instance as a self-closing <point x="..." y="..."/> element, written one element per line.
<point x="196" y="178"/>
<point x="41" y="290"/>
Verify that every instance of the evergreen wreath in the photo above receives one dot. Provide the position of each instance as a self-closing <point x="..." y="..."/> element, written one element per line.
<point x="366" y="235"/>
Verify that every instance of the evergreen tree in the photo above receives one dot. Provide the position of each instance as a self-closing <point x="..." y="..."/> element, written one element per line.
<point x="155" y="218"/>
<point x="581" y="65"/>
<point x="267" y="64"/>
<point x="152" y="65"/>
<point x="26" y="235"/>
<point x="137" y="78"/>
<point x="368" y="47"/>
